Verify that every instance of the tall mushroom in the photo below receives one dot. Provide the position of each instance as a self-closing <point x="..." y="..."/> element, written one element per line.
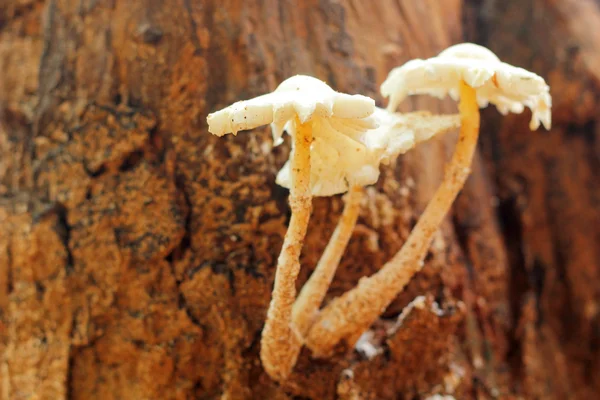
<point x="477" y="77"/>
<point x="336" y="170"/>
<point x="309" y="110"/>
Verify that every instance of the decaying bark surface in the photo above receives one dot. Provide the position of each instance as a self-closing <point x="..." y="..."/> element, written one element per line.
<point x="137" y="251"/>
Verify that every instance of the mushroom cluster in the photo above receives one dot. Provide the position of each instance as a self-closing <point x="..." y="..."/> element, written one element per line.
<point x="339" y="142"/>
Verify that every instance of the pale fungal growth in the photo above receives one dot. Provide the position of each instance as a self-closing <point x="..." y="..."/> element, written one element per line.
<point x="474" y="75"/>
<point x="305" y="107"/>
<point x="365" y="346"/>
<point x="335" y="171"/>
<point x="509" y="88"/>
<point x="440" y="397"/>
<point x="339" y="142"/>
<point x="348" y="153"/>
<point x="304" y="97"/>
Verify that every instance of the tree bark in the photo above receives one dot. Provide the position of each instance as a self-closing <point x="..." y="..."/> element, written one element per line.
<point x="137" y="251"/>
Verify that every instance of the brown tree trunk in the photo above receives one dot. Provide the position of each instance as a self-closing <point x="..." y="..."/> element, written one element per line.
<point x="137" y="251"/>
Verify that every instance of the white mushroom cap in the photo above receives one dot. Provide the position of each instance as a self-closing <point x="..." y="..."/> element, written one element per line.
<point x="340" y="157"/>
<point x="349" y="152"/>
<point x="509" y="88"/>
<point x="399" y="133"/>
<point x="306" y="97"/>
<point x="351" y="137"/>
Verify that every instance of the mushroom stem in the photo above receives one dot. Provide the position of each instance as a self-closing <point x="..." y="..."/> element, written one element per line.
<point x="348" y="316"/>
<point x="313" y="292"/>
<point x="280" y="343"/>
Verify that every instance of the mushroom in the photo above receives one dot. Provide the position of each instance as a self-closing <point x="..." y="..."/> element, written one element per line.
<point x="476" y="76"/>
<point x="335" y="170"/>
<point x="307" y="109"/>
<point x="348" y="153"/>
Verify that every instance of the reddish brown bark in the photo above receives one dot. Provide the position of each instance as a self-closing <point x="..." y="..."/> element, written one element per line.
<point x="137" y="251"/>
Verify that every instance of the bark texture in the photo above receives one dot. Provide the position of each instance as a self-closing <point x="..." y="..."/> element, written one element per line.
<point x="137" y="252"/>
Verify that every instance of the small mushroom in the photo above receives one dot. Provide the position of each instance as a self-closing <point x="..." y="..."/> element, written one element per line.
<point x="338" y="167"/>
<point x="306" y="108"/>
<point x="468" y="67"/>
<point x="348" y="153"/>
<point x="476" y="76"/>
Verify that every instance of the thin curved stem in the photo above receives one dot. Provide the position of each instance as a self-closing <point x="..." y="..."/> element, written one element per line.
<point x="311" y="296"/>
<point x="280" y="343"/>
<point x="348" y="316"/>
